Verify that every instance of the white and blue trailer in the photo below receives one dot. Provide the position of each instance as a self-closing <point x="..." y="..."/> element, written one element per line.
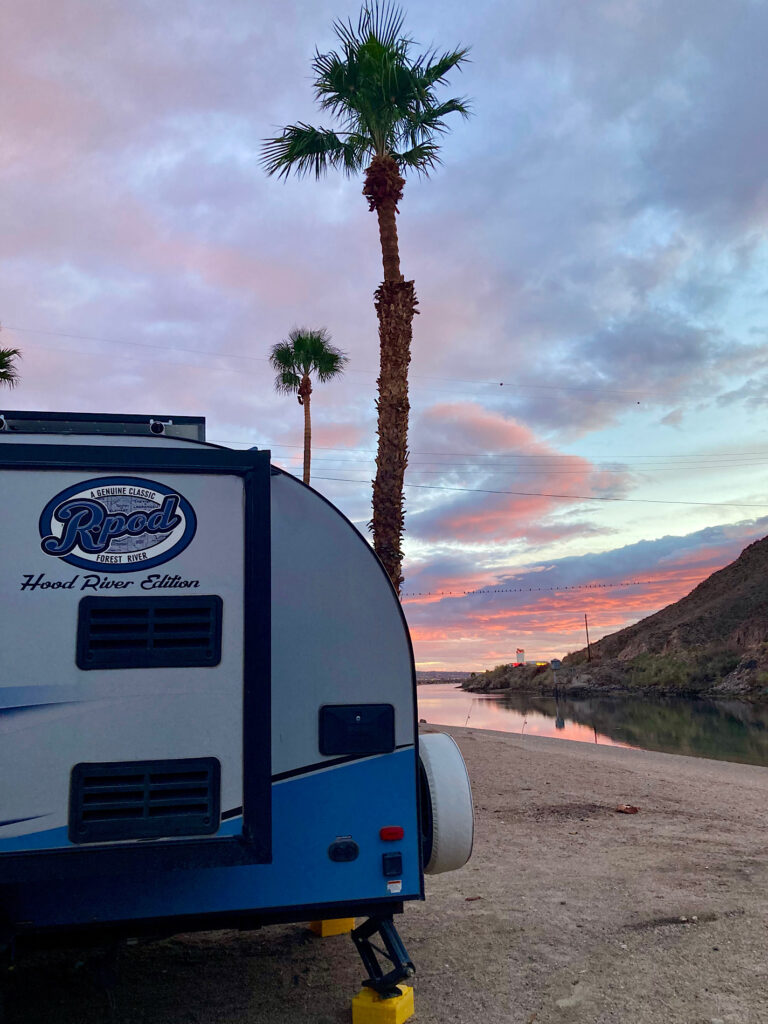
<point x="207" y="697"/>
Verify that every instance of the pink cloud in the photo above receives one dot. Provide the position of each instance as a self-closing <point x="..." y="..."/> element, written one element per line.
<point x="508" y="456"/>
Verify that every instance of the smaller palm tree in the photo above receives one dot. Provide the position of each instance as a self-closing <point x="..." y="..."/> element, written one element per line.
<point x="304" y="354"/>
<point x="9" y="373"/>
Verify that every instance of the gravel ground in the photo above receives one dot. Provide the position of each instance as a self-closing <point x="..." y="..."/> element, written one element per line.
<point x="568" y="912"/>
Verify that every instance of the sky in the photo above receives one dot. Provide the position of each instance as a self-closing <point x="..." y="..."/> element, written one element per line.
<point x="590" y="362"/>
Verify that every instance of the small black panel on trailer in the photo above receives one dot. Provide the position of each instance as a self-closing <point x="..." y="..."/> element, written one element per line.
<point x="357" y="729"/>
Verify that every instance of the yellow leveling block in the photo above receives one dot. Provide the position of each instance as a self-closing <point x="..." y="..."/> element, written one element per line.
<point x="369" y="1008"/>
<point x="341" y="926"/>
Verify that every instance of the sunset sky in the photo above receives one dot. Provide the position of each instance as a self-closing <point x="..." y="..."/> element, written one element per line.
<point x="590" y="365"/>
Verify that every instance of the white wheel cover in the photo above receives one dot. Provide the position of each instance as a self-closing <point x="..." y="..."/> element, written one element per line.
<point x="451" y="796"/>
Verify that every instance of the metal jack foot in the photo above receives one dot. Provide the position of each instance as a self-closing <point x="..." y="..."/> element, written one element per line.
<point x="385" y="985"/>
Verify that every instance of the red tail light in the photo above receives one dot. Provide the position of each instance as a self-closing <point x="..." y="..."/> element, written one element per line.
<point x="391" y="832"/>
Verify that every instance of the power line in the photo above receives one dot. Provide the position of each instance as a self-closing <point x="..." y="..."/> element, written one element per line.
<point x="725" y="456"/>
<point x="137" y="344"/>
<point x="503" y="469"/>
<point x="589" y="389"/>
<point x="566" y="497"/>
<point x="492" y="459"/>
<point x="715" y="459"/>
<point x="489" y="592"/>
<point x="217" y="354"/>
<point x="490" y="471"/>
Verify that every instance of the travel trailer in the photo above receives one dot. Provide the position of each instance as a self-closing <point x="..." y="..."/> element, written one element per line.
<point x="207" y="698"/>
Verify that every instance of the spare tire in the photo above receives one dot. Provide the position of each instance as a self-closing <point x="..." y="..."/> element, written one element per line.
<point x="447" y="816"/>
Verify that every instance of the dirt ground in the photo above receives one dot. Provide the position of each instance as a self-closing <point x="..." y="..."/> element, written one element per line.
<point x="567" y="912"/>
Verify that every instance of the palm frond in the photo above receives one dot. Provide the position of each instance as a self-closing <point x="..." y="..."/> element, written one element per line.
<point x="342" y="89"/>
<point x="330" y="363"/>
<point x="282" y="359"/>
<point x="383" y="21"/>
<point x="433" y="71"/>
<point x="433" y="118"/>
<point x="422" y="158"/>
<point x="304" y="149"/>
<point x="9" y="373"/>
<point x="287" y="382"/>
<point x="423" y="125"/>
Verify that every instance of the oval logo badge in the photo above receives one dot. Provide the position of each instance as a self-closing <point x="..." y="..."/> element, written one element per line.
<point x="117" y="524"/>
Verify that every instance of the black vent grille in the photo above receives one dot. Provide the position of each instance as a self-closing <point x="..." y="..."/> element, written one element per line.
<point x="110" y="801"/>
<point x="149" y="632"/>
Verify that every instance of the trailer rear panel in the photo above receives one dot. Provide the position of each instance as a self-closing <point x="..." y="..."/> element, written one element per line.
<point x="207" y="694"/>
<point x="127" y="671"/>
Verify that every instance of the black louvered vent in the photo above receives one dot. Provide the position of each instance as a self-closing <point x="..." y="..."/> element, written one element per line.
<point x="109" y="801"/>
<point x="149" y="632"/>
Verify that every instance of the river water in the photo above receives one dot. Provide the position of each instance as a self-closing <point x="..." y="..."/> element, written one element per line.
<point x="725" y="730"/>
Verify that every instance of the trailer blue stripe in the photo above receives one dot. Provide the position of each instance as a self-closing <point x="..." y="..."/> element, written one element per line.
<point x="26" y="708"/>
<point x="309" y="814"/>
<point x="37" y="696"/>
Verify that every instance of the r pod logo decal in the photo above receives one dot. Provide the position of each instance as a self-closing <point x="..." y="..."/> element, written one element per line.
<point x="117" y="524"/>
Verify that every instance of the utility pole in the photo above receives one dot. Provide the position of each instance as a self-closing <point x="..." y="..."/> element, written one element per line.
<point x="586" y="627"/>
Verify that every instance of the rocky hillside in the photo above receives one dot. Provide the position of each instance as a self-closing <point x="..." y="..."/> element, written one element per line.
<point x="728" y="609"/>
<point x="712" y="642"/>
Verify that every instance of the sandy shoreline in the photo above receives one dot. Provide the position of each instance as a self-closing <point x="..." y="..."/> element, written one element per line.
<point x="568" y="911"/>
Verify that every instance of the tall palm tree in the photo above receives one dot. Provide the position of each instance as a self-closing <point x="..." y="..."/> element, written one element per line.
<point x="389" y="119"/>
<point x="304" y="354"/>
<point x="9" y="373"/>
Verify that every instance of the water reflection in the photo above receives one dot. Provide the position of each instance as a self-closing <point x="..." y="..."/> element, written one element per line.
<point x="444" y="704"/>
<point x="725" y="730"/>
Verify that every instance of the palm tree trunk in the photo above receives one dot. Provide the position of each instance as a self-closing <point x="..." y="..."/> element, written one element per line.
<point x="395" y="301"/>
<point x="305" y="390"/>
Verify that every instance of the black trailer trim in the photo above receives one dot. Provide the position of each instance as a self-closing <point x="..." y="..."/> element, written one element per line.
<point x="331" y="762"/>
<point x="189" y="428"/>
<point x="254" y="844"/>
<point x="99" y="933"/>
<point x="195" y="459"/>
<point x="257" y="669"/>
<point x="98" y="417"/>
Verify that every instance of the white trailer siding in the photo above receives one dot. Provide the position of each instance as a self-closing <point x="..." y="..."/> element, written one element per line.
<point x="56" y="714"/>
<point x="338" y="635"/>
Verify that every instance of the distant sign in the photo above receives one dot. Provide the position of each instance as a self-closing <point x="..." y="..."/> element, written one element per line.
<point x="556" y="664"/>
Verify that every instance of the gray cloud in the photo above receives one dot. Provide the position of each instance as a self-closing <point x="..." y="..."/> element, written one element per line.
<point x="753" y="393"/>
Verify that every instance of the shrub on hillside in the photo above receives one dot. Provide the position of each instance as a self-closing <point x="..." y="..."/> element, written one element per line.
<point x="682" y="673"/>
